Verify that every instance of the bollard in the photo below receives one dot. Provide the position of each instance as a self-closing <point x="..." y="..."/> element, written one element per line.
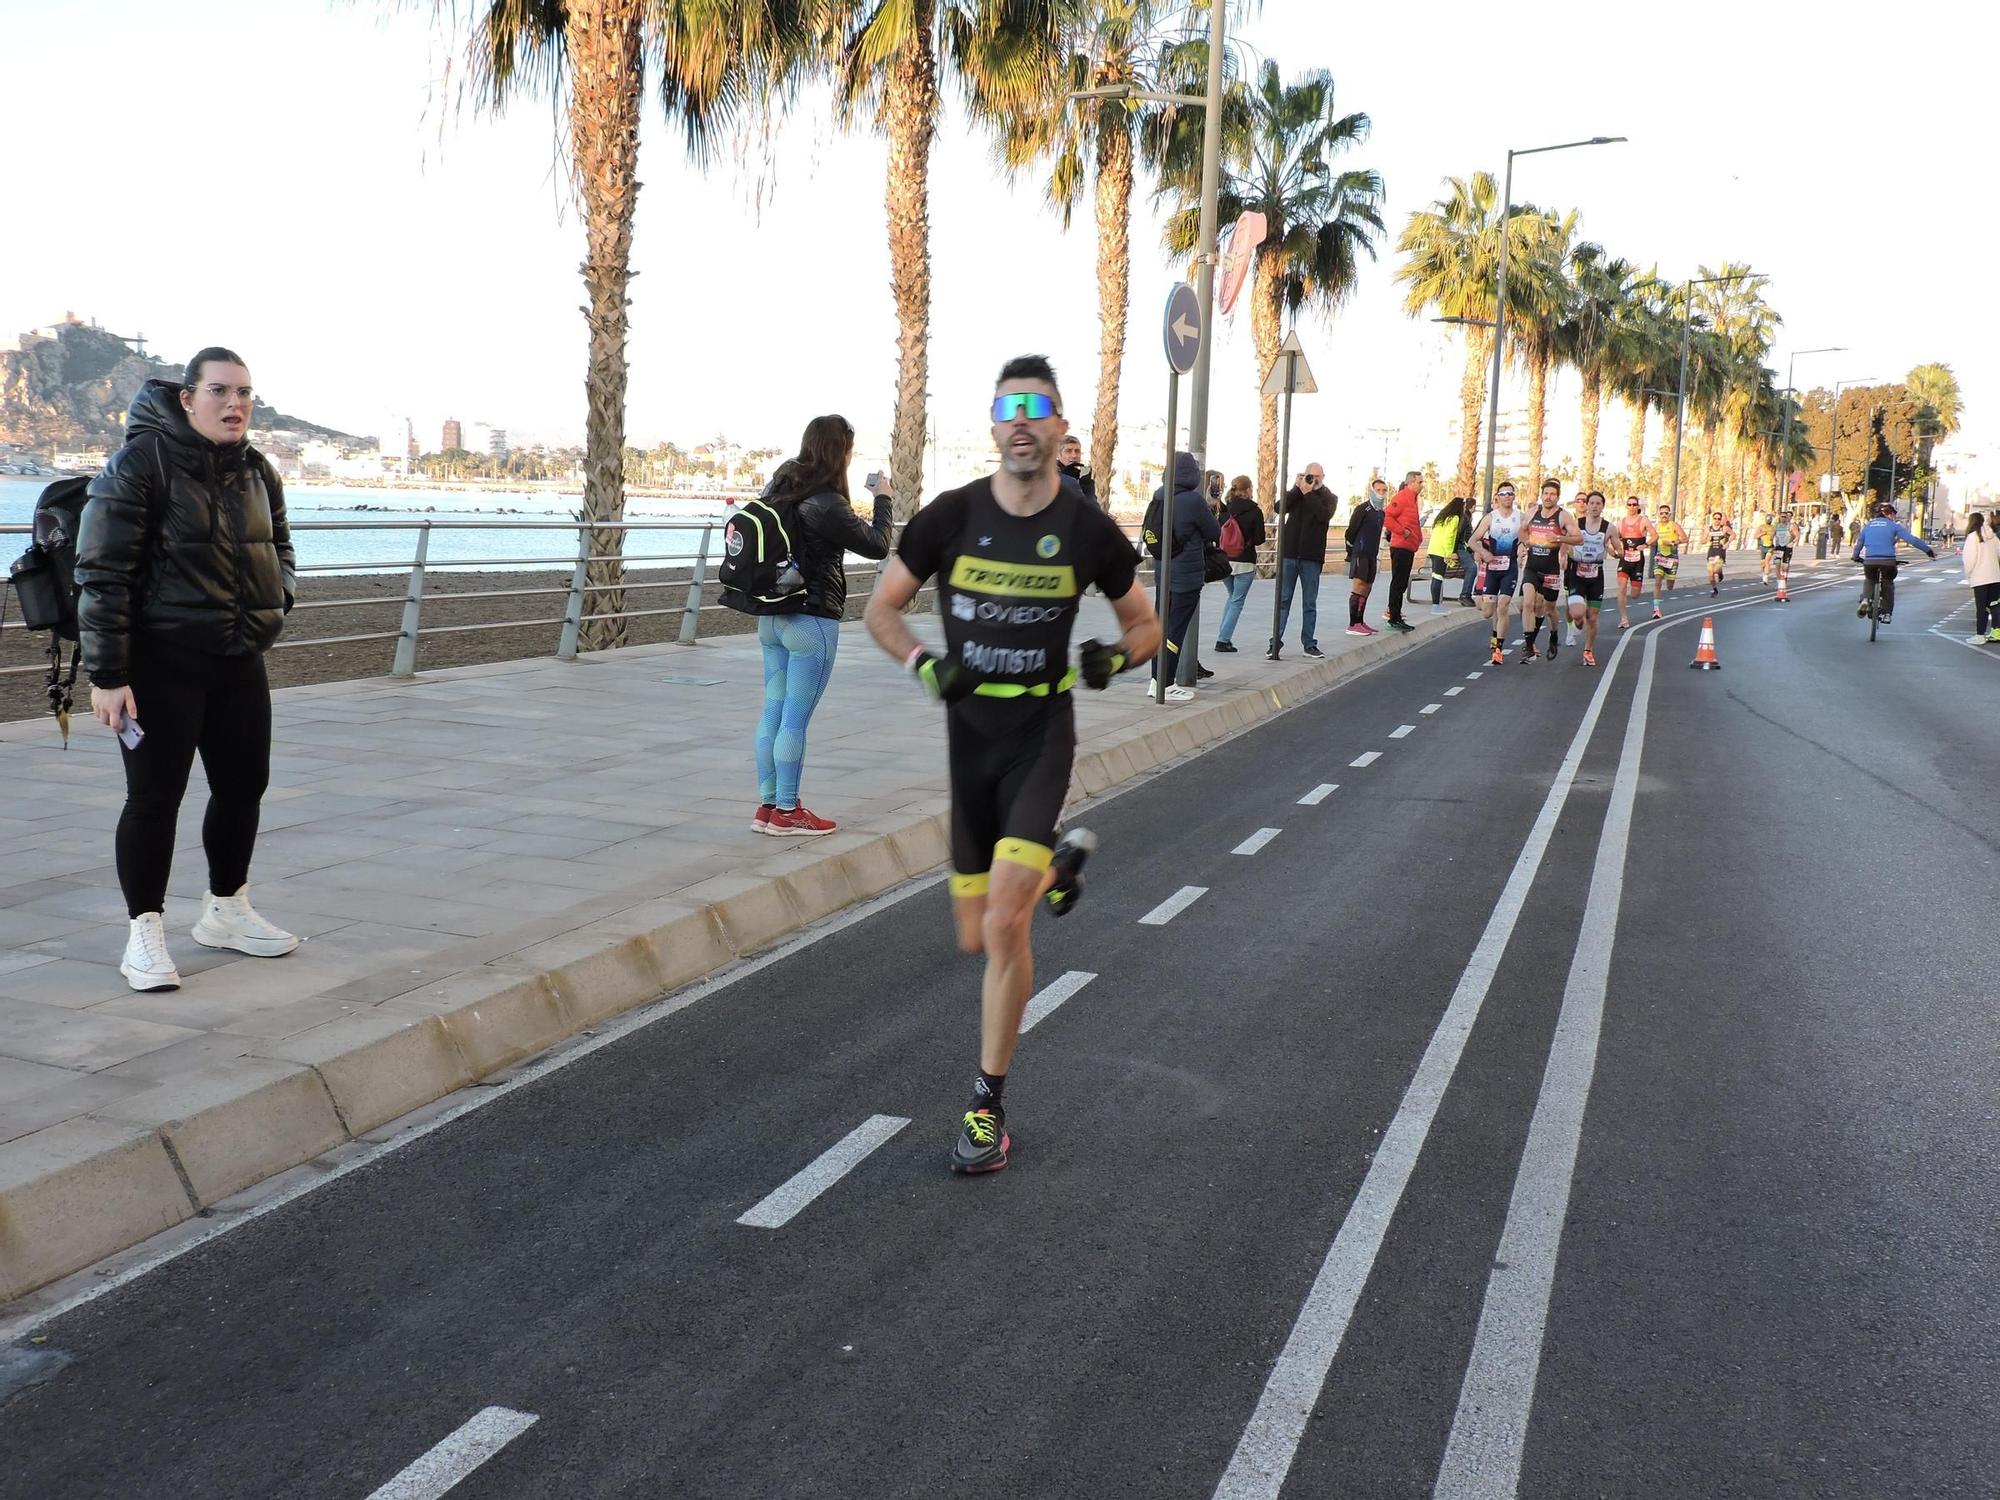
<point x="691" y="619"/>
<point x="573" y="610"/>
<point x="413" y="610"/>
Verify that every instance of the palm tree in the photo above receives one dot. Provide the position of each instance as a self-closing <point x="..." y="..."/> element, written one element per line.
<point x="891" y="58"/>
<point x="1279" y="143"/>
<point x="595" y="57"/>
<point x="1536" y="309"/>
<point x="1452" y="257"/>
<point x="1933" y="389"/>
<point x="1094" y="142"/>
<point x="1595" y="337"/>
<point x="1649" y="377"/>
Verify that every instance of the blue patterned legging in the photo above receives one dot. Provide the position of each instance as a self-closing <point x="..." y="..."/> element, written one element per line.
<point x="798" y="660"/>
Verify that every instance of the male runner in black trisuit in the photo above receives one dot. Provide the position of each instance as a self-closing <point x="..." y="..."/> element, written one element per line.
<point x="1012" y="554"/>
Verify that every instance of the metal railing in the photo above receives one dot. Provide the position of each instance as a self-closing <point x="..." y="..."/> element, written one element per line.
<point x="578" y="595"/>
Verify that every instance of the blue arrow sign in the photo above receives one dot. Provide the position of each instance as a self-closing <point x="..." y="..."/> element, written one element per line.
<point x="1182" y="327"/>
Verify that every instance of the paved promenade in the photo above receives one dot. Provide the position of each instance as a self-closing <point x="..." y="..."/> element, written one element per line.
<point x="483" y="861"/>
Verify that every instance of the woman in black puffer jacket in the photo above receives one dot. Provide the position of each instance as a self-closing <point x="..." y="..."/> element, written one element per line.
<point x="184" y="570"/>
<point x="799" y="647"/>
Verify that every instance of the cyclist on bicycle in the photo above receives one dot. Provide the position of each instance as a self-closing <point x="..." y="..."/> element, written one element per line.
<point x="1875" y="550"/>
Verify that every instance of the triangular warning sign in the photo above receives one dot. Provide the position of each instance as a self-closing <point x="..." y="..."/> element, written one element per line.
<point x="1290" y="370"/>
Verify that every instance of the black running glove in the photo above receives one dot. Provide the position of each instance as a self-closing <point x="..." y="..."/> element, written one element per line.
<point x="945" y="680"/>
<point x="1099" y="663"/>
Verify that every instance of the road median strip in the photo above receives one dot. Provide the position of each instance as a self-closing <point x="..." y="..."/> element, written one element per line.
<point x="75" y="1192"/>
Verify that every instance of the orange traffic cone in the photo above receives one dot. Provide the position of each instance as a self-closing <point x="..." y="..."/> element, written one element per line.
<point x="1704" y="654"/>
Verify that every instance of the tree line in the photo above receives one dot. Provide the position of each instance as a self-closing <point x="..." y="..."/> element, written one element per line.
<point x="1023" y="70"/>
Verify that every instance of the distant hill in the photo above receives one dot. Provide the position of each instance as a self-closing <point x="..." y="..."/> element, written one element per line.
<point x="71" y="391"/>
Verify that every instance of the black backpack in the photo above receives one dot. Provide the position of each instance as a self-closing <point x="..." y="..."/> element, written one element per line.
<point x="759" y="572"/>
<point x="1151" y="529"/>
<point x="44" y="581"/>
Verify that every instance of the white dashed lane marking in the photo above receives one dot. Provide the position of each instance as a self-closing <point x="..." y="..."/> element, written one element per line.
<point x="1043" y="1004"/>
<point x="1402" y="730"/>
<point x="1453" y="692"/>
<point x="1319" y="794"/>
<point x="784" y="1203"/>
<point x="1366" y="758"/>
<point x="1430" y="708"/>
<point x="458" y="1455"/>
<point x="1256" y="841"/>
<point x="1474" y="676"/>
<point x="1173" y="906"/>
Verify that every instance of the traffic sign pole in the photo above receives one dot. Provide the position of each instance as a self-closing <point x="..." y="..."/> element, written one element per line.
<point x="1166" y="535"/>
<point x="1284" y="468"/>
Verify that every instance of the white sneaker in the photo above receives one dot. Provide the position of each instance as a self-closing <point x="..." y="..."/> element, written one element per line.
<point x="231" y="922"/>
<point x="1439" y="609"/>
<point x="147" y="965"/>
<point x="1179" y="694"/>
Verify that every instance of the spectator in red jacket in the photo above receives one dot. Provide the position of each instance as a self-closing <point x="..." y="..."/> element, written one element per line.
<point x="1406" y="534"/>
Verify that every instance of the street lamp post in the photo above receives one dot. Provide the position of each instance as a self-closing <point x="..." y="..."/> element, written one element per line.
<point x="1204" y="275"/>
<point x="1785" y="440"/>
<point x="1500" y="287"/>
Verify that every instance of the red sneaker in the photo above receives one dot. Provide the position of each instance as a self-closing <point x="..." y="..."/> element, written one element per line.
<point x="797" y="820"/>
<point x="764" y="811"/>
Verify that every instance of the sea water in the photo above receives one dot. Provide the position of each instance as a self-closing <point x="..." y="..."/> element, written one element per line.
<point x="360" y="546"/>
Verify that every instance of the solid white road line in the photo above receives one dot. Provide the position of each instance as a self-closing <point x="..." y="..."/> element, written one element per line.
<point x="1045" y="1003"/>
<point x="1269" y="1443"/>
<point x="1366" y="758"/>
<point x="1319" y="794"/>
<point x="1453" y="692"/>
<point x="1173" y="906"/>
<point x="1256" y="841"/>
<point x="785" y="1201"/>
<point x="1482" y="1457"/>
<point x="1402" y="730"/>
<point x="1430" y="708"/>
<point x="458" y="1455"/>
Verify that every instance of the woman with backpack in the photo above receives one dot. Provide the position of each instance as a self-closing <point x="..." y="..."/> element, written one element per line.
<point x="184" y="575"/>
<point x="1242" y="534"/>
<point x="801" y="634"/>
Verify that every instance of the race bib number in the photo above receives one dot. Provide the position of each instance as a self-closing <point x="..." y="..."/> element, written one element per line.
<point x="1500" y="565"/>
<point x="1586" y="570"/>
<point x="1669" y="564"/>
<point x="1635" y="554"/>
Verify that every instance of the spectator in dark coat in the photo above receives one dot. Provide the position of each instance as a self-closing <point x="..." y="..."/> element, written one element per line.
<point x="1069" y="462"/>
<point x="1308" y="513"/>
<point x="1364" y="551"/>
<point x="1194" y="526"/>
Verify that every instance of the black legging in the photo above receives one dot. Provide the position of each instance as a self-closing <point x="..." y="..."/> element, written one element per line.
<point x="1400" y="561"/>
<point x="1986" y="606"/>
<point x="189" y="701"/>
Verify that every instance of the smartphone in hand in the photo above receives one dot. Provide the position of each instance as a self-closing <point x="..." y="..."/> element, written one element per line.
<point x="873" y="482"/>
<point x="129" y="734"/>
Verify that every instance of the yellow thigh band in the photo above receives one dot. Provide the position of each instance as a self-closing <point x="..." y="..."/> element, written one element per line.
<point x="1021" y="852"/>
<point x="970" y="885"/>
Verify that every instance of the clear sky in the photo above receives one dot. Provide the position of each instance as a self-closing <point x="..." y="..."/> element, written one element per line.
<point x="291" y="179"/>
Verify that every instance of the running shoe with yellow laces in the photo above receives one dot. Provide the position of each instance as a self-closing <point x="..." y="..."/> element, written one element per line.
<point x="982" y="1143"/>
<point x="1066" y="864"/>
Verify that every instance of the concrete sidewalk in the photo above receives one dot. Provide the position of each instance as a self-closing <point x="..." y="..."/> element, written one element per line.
<point x="484" y="861"/>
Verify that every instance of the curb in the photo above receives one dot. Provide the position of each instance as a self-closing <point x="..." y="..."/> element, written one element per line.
<point x="74" y="1193"/>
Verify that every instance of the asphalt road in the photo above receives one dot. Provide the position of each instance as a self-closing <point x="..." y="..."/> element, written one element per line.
<point x="1593" y="1095"/>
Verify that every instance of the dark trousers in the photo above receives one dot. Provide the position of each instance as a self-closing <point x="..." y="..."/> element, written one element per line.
<point x="1180" y="620"/>
<point x="1401" y="560"/>
<point x="192" y="703"/>
<point x="1986" y="606"/>
<point x="1886" y="571"/>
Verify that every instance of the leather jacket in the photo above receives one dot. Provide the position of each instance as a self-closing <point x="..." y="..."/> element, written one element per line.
<point x="829" y="529"/>
<point x="182" y="540"/>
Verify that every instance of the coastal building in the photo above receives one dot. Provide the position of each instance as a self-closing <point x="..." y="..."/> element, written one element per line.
<point x="454" y="435"/>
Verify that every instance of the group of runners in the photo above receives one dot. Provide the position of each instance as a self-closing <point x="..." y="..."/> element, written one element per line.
<point x="1556" y="560"/>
